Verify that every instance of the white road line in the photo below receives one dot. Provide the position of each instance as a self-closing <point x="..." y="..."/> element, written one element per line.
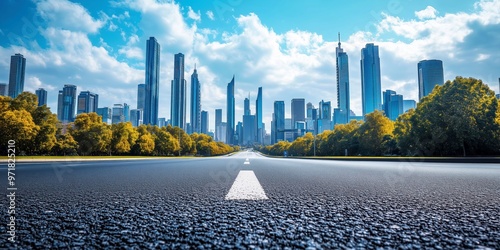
<point x="246" y="187"/>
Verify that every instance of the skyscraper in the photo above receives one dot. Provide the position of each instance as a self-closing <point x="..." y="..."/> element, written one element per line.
<point x="126" y="112"/>
<point x="87" y="102"/>
<point x="246" y="106"/>
<point x="141" y="95"/>
<point x="218" y="122"/>
<point x="195" y="103"/>
<point x="178" y="92"/>
<point x="343" y="98"/>
<point x="248" y="130"/>
<point x="298" y="111"/>
<point x="42" y="96"/>
<point x="324" y="121"/>
<point x="204" y="122"/>
<point x="393" y="104"/>
<point x="278" y="121"/>
<point x="430" y="74"/>
<point x="230" y="113"/>
<point x="135" y="117"/>
<point x="258" y="117"/>
<point x="118" y="114"/>
<point x="4" y="89"/>
<point x="152" y="82"/>
<point x="106" y="114"/>
<point x="370" y="79"/>
<point x="409" y="104"/>
<point x="16" y="76"/>
<point x="66" y="104"/>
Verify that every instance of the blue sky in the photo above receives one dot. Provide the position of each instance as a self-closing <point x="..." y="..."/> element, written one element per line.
<point x="287" y="47"/>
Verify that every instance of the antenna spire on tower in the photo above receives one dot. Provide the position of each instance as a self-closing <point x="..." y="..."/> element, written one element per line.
<point x="339" y="39"/>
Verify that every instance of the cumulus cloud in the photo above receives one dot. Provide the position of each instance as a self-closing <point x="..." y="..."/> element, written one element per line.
<point x="194" y="15"/>
<point x="428" y="13"/>
<point x="67" y="15"/>
<point x="210" y="15"/>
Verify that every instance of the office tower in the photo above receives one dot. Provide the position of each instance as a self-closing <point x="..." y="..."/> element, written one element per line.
<point x="126" y="112"/>
<point x="289" y="135"/>
<point x="230" y="113"/>
<point x="278" y="121"/>
<point x="118" y="114"/>
<point x="42" y="96"/>
<point x="298" y="111"/>
<point x="343" y="102"/>
<point x="135" y="117"/>
<point x="106" y="114"/>
<point x="195" y="103"/>
<point x="221" y="131"/>
<point x="218" y="122"/>
<point x="178" y="98"/>
<point x="87" y="102"/>
<point x="238" y="135"/>
<point x="4" y="89"/>
<point x="409" y="104"/>
<point x="430" y="74"/>
<point x="246" y="109"/>
<point x="393" y="104"/>
<point x="152" y="82"/>
<point x="162" y="122"/>
<point x="141" y="95"/>
<point x="370" y="79"/>
<point x="309" y="109"/>
<point x="204" y="122"/>
<point x="16" y="76"/>
<point x="248" y="130"/>
<point x="324" y="121"/>
<point x="66" y="105"/>
<point x="258" y="117"/>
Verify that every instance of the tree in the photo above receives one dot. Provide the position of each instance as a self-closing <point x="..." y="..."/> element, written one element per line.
<point x="165" y="144"/>
<point x="402" y="128"/>
<point x="187" y="145"/>
<point x="145" y="144"/>
<point x="124" y="137"/>
<point x="342" y="138"/>
<point x="17" y="125"/>
<point x="459" y="118"/>
<point x="65" y="145"/>
<point x="93" y="136"/>
<point x="45" y="139"/>
<point x="302" y="146"/>
<point x="371" y="134"/>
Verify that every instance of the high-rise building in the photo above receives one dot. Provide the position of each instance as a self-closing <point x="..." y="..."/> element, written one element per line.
<point x="178" y="98"/>
<point x="4" y="89"/>
<point x="221" y="131"/>
<point x="258" y="117"/>
<point x="370" y="79"/>
<point x="66" y="104"/>
<point x="246" y="106"/>
<point x="324" y="121"/>
<point x="311" y="117"/>
<point x="152" y="82"/>
<point x="249" y="130"/>
<point x="162" y="122"/>
<point x="141" y="95"/>
<point x="430" y="74"/>
<point x="218" y="122"/>
<point x="204" y="122"/>
<point x="278" y="122"/>
<point x="393" y="104"/>
<point x="343" y="98"/>
<point x="118" y="114"/>
<point x="195" y="103"/>
<point x="409" y="104"/>
<point x="230" y="113"/>
<point x="106" y="114"/>
<point x="87" y="102"/>
<point x="135" y="117"/>
<point x="16" y="76"/>
<point x="298" y="110"/>
<point x="238" y="135"/>
<point x="126" y="112"/>
<point x="42" y="96"/>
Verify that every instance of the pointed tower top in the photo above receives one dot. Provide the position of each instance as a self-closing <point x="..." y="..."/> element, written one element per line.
<point x="339" y="39"/>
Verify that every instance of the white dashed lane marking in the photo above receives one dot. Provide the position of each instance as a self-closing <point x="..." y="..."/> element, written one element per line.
<point x="246" y="187"/>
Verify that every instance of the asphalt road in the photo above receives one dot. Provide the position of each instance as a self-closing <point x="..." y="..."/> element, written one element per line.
<point x="181" y="203"/>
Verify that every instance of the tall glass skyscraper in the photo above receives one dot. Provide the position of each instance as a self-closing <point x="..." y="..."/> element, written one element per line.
<point x="430" y="74"/>
<point x="42" y="96"/>
<point x="258" y="117"/>
<point x="66" y="105"/>
<point x="178" y="94"/>
<point x="141" y="95"/>
<point x="105" y="113"/>
<point x="298" y="111"/>
<point x="278" y="122"/>
<point x="16" y="76"/>
<point x="230" y="113"/>
<point x="87" y="102"/>
<point x="195" y="103"/>
<point x="218" y="123"/>
<point x="370" y="79"/>
<point x="204" y="122"/>
<point x="393" y="104"/>
<point x="343" y="98"/>
<point x="4" y="89"/>
<point x="246" y="106"/>
<point x="152" y="82"/>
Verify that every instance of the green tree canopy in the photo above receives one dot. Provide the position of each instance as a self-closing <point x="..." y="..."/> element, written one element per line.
<point x="371" y="134"/>
<point x="93" y="136"/>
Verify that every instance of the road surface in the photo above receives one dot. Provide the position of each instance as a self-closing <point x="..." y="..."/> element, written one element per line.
<point x="250" y="201"/>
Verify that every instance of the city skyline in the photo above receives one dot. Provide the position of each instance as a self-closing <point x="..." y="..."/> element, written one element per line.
<point x="297" y="59"/>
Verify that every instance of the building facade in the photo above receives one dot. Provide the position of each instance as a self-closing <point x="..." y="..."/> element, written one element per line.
<point x="16" y="75"/>
<point x="178" y="92"/>
<point x="204" y="122"/>
<point x="278" y="122"/>
<point x="370" y="79"/>
<point x="298" y="112"/>
<point x="343" y="96"/>
<point x="87" y="102"/>
<point x="152" y="82"/>
<point x="42" y="96"/>
<point x="393" y="104"/>
<point x="66" y="105"/>
<point x="136" y="117"/>
<point x="230" y="121"/>
<point x="430" y="74"/>
<point x="106" y="114"/>
<point x="218" y="122"/>
<point x="195" y="118"/>
<point x="258" y="117"/>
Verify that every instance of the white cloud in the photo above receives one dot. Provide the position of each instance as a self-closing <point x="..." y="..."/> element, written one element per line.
<point x="67" y="15"/>
<point x="194" y="15"/>
<point x="428" y="13"/>
<point x="210" y="15"/>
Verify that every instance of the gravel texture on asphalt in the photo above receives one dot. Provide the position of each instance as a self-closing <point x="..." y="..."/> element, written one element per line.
<point x="311" y="206"/>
